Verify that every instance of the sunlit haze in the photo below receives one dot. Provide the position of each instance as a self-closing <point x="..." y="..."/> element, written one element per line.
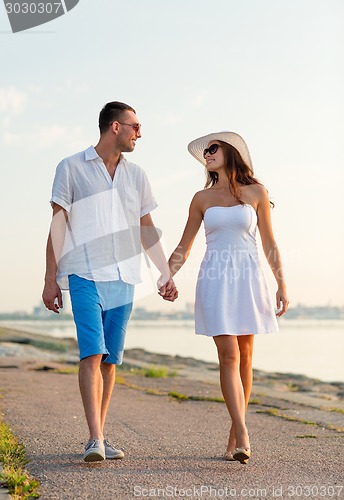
<point x="271" y="71"/>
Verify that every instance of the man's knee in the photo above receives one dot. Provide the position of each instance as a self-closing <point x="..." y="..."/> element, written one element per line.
<point x="93" y="361"/>
<point x="108" y="367"/>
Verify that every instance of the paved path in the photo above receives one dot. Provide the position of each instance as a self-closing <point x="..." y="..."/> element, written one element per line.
<point x="173" y="448"/>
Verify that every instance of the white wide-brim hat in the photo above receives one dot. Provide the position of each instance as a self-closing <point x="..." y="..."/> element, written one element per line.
<point x="197" y="146"/>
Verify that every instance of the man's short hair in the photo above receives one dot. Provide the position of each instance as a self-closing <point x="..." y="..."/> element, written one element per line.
<point x="111" y="112"/>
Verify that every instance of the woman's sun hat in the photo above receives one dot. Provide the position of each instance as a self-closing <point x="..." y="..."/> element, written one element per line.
<point x="197" y="146"/>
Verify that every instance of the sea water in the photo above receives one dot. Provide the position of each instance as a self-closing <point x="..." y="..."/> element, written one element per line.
<point x="307" y="347"/>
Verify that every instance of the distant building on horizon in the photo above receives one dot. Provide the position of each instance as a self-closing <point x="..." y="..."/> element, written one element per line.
<point x="300" y="312"/>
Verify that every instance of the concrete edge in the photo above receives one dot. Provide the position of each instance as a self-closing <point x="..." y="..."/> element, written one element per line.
<point x="4" y="493"/>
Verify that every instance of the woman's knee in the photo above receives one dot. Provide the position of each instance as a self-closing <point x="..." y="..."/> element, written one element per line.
<point x="228" y="356"/>
<point x="246" y="351"/>
<point x="246" y="357"/>
<point x="227" y="349"/>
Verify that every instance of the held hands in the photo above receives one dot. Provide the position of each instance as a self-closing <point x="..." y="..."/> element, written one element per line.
<point x="167" y="288"/>
<point x="282" y="301"/>
<point x="52" y="297"/>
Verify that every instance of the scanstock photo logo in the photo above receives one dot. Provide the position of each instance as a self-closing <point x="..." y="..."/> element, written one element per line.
<point x="27" y="14"/>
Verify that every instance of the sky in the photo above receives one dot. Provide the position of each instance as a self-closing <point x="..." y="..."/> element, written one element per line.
<point x="272" y="71"/>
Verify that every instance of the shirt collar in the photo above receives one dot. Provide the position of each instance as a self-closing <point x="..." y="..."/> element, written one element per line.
<point x="91" y="154"/>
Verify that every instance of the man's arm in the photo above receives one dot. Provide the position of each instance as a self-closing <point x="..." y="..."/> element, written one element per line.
<point x="151" y="243"/>
<point x="52" y="295"/>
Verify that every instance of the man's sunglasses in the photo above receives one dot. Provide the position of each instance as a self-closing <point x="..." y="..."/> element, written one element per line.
<point x="211" y="150"/>
<point x="135" y="126"/>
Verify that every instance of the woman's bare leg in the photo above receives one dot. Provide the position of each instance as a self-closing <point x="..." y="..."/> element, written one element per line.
<point x="245" y="343"/>
<point x="231" y="385"/>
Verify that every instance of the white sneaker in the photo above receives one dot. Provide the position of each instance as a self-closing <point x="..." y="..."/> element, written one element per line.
<point x="111" y="452"/>
<point x="94" y="451"/>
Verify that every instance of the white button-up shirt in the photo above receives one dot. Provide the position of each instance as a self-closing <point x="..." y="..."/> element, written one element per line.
<point x="102" y="237"/>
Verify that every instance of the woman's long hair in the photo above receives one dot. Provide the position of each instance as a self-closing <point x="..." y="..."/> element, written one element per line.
<point x="238" y="172"/>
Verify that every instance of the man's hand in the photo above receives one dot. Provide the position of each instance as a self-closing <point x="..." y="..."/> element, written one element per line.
<point x="167" y="289"/>
<point x="52" y="296"/>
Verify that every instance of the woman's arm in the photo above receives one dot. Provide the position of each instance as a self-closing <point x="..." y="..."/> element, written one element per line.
<point x="271" y="249"/>
<point x="192" y="226"/>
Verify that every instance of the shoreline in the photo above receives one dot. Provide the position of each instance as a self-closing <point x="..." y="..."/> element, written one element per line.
<point x="296" y="349"/>
<point x="297" y="388"/>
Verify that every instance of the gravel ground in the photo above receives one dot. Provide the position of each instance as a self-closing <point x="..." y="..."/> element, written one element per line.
<point x="173" y="448"/>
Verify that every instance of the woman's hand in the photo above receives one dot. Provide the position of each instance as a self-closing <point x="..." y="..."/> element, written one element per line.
<point x="167" y="288"/>
<point x="282" y="301"/>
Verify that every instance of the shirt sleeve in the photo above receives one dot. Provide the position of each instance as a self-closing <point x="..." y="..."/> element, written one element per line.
<point x="62" y="192"/>
<point x="148" y="202"/>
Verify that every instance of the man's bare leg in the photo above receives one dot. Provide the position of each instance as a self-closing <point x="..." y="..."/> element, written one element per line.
<point x="91" y="389"/>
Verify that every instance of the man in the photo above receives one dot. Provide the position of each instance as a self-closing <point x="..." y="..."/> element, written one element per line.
<point x="101" y="215"/>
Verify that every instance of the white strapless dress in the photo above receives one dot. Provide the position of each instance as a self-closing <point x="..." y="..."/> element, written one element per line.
<point x="232" y="296"/>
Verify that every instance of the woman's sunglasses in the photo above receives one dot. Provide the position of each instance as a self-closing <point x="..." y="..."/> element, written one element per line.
<point x="211" y="150"/>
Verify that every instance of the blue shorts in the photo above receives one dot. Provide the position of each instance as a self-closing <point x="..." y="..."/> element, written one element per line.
<point x="101" y="312"/>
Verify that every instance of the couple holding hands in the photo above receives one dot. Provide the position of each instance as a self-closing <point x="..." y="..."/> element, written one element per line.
<point x="101" y="216"/>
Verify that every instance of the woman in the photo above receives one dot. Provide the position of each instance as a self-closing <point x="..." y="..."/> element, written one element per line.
<point x="232" y="297"/>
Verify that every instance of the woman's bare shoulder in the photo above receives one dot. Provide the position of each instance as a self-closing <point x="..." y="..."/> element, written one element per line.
<point x="256" y="191"/>
<point x="200" y="196"/>
<point x="256" y="188"/>
<point x="200" y="201"/>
